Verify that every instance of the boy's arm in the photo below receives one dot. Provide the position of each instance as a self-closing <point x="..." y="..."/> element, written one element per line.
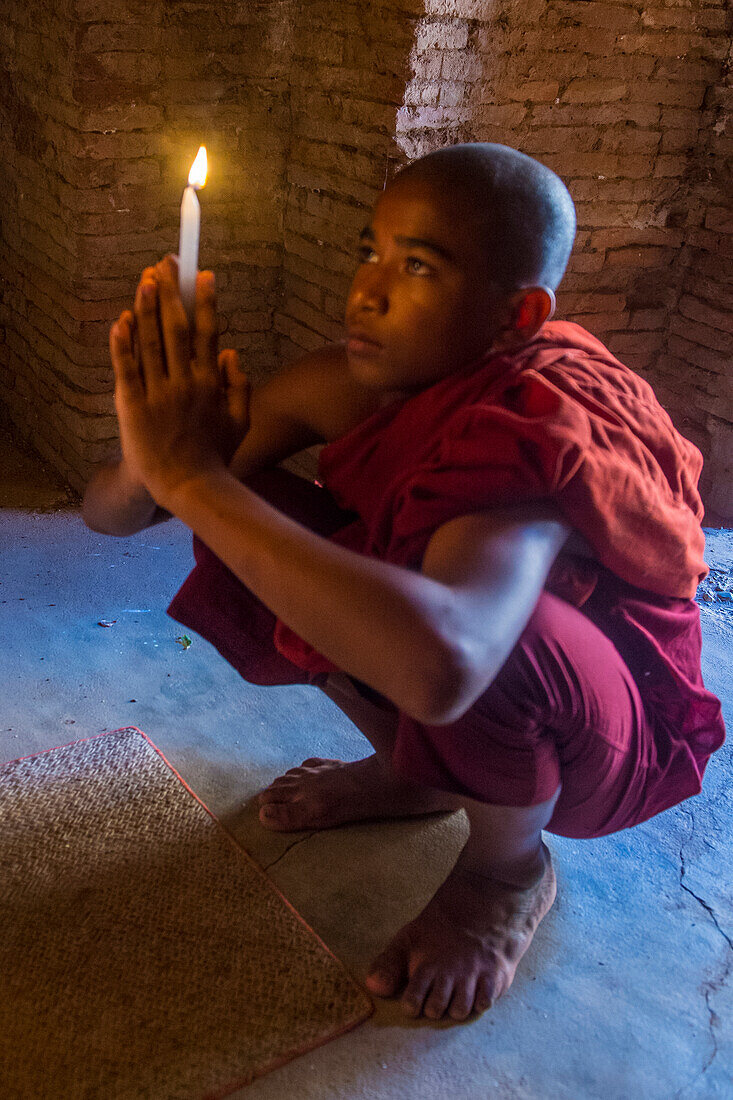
<point x="116" y="504"/>
<point x="314" y="400"/>
<point x="431" y="641"/>
<point x="495" y="565"/>
<point x="311" y="401"/>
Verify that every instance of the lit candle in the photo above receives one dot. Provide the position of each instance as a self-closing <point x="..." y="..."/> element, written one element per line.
<point x="188" y="245"/>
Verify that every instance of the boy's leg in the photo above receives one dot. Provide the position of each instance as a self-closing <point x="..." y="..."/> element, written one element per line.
<point x="564" y="707"/>
<point x="322" y="793"/>
<point x="462" y="951"/>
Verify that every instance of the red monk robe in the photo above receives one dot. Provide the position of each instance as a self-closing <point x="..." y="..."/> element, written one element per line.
<point x="561" y="419"/>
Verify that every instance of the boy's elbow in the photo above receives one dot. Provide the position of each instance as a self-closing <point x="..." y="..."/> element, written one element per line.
<point x="443" y="692"/>
<point x="89" y="520"/>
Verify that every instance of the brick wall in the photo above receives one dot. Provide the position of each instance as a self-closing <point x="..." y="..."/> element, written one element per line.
<point x="306" y="107"/>
<point x="348" y="69"/>
<point x="106" y="104"/>
<point x="694" y="371"/>
<point x="630" y="104"/>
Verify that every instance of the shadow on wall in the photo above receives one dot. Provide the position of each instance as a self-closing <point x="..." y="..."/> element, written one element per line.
<point x="628" y="106"/>
<point x="306" y="109"/>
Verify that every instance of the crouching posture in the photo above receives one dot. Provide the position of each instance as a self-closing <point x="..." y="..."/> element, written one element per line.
<point x="493" y="575"/>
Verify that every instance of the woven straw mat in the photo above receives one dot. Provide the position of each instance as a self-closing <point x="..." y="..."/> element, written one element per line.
<point x="142" y="951"/>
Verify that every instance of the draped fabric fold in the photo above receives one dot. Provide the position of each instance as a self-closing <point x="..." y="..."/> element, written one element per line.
<point x="561" y="420"/>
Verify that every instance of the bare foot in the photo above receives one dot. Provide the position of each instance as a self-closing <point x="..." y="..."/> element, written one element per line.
<point x="462" y="951"/>
<point x="323" y="793"/>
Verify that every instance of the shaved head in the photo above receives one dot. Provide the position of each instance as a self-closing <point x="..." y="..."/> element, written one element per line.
<point x="523" y="213"/>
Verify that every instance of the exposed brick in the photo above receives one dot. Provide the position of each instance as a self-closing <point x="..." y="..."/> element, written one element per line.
<point x="649" y="319"/>
<point x="630" y="140"/>
<point x="605" y="214"/>
<point x="299" y="272"/>
<point x="302" y="337"/>
<point x="509" y="114"/>
<point x="638" y="257"/>
<point x="564" y="114"/>
<point x="578" y="40"/>
<point x="586" y="262"/>
<point x="423" y="93"/>
<point x="634" y="237"/>
<point x="667" y="93"/>
<point x="248" y="321"/>
<point x="673" y="45"/>
<point x="683" y="18"/>
<point x="595" y="91"/>
<point x="454" y="65"/>
<point x="713" y="242"/>
<point x="702" y="357"/>
<point x="719" y="219"/>
<point x="555" y="139"/>
<point x="117" y="11"/>
<point x="641" y="343"/>
<point x="678" y="141"/>
<point x="100" y="38"/>
<point x="447" y="35"/>
<point x="467" y="9"/>
<point x="622" y="67"/>
<point x="367" y="114"/>
<point x="600" y="324"/>
<point x="610" y="17"/>
<point x="301" y="119"/>
<point x="682" y="70"/>
<point x="593" y="303"/>
<point x="670" y="166"/>
<point x="534" y="91"/>
<point x="704" y="335"/>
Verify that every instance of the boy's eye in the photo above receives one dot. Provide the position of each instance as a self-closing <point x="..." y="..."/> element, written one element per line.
<point x="416" y="266"/>
<point x="366" y="254"/>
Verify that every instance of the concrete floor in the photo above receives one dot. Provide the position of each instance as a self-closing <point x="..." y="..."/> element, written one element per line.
<point x="627" y="990"/>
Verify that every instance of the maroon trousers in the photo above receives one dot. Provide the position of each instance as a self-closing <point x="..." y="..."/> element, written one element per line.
<point x="564" y="709"/>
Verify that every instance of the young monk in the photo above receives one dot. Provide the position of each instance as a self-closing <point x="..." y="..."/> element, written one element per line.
<point x="493" y="576"/>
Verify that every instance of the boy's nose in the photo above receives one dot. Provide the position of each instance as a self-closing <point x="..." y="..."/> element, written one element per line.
<point x="370" y="292"/>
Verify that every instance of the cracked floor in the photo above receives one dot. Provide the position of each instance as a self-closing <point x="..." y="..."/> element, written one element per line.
<point x="627" y="990"/>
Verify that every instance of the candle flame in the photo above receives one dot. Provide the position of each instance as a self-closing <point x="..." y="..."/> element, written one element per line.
<point x="197" y="175"/>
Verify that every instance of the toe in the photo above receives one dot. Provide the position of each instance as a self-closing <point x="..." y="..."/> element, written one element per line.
<point x="278" y="786"/>
<point x="461" y="1005"/>
<point x="389" y="972"/>
<point x="270" y="794"/>
<point x="417" y="990"/>
<point x="282" y="783"/>
<point x="285" y="816"/>
<point x="438" y="997"/>
<point x="485" y="993"/>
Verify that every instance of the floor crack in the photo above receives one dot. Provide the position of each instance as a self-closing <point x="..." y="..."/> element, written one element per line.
<point x="701" y="901"/>
<point x="287" y="850"/>
<point x="712" y="985"/>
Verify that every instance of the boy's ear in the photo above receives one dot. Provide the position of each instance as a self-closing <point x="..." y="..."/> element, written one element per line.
<point x="526" y="312"/>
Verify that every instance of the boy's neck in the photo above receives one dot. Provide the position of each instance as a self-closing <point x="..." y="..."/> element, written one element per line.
<point x="391" y="396"/>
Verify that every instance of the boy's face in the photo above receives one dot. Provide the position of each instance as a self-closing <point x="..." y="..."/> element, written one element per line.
<point x="421" y="305"/>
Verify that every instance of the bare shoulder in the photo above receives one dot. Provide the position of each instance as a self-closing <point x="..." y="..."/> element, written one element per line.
<point x="329" y="399"/>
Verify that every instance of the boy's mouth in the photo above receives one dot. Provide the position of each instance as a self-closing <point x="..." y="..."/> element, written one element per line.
<point x="360" y="343"/>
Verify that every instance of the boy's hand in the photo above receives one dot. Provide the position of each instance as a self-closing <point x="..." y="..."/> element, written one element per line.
<point x="182" y="409"/>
